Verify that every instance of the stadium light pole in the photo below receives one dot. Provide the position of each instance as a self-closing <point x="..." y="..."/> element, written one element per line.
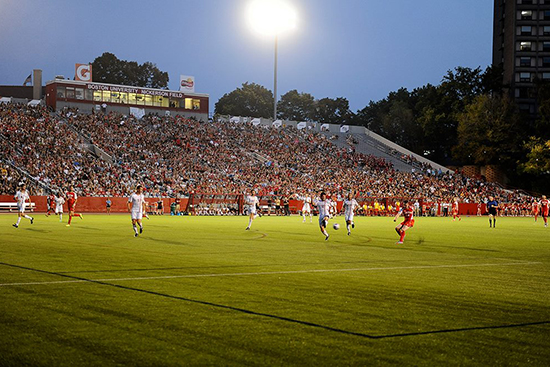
<point x="271" y="18"/>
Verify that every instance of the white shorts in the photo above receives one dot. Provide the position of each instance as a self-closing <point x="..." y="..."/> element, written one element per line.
<point x="252" y="209"/>
<point x="21" y="208"/>
<point x="349" y="217"/>
<point x="306" y="208"/>
<point x="137" y="215"/>
<point x="59" y="208"/>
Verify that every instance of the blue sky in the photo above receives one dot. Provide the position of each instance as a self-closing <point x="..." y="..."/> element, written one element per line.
<point x="358" y="49"/>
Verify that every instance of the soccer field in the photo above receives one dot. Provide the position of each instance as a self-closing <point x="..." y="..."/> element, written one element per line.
<point x="203" y="291"/>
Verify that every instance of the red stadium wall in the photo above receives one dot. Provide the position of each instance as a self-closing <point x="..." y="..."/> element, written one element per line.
<point x="97" y="205"/>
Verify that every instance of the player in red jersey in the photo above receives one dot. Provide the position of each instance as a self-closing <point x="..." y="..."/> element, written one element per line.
<point x="535" y="210"/>
<point x="71" y="204"/>
<point x="544" y="210"/>
<point x="50" y="203"/>
<point x="455" y="210"/>
<point x="408" y="212"/>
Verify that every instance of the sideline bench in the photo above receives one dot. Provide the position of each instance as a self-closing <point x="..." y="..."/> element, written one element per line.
<point x="12" y="206"/>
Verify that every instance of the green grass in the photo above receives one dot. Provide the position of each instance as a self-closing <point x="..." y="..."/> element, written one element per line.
<point x="202" y="291"/>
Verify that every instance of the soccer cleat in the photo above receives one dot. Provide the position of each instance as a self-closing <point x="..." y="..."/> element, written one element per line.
<point x="81" y="216"/>
<point x="326" y="238"/>
<point x="140" y="230"/>
<point x="135" y="234"/>
<point x="32" y="220"/>
<point x="399" y="243"/>
<point x="352" y="225"/>
<point x="349" y="233"/>
<point x="247" y="229"/>
<point x="67" y="225"/>
<point x="15" y="225"/>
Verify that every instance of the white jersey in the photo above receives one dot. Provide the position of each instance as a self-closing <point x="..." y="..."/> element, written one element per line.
<point x="306" y="207"/>
<point x="59" y="201"/>
<point x="137" y="201"/>
<point x="323" y="206"/>
<point x="21" y="197"/>
<point x="251" y="201"/>
<point x="349" y="206"/>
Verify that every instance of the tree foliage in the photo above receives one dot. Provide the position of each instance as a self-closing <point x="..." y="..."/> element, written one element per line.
<point x="251" y="100"/>
<point x="296" y="106"/>
<point x="107" y="68"/>
<point x="538" y="157"/>
<point x="334" y="111"/>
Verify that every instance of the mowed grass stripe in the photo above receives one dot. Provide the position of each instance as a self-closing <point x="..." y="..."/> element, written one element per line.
<point x="420" y="267"/>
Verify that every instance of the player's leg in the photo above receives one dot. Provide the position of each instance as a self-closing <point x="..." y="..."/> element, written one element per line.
<point x="140" y="226"/>
<point x="402" y="235"/>
<point x="134" y="227"/>
<point x="323" y="226"/>
<point x="250" y="219"/>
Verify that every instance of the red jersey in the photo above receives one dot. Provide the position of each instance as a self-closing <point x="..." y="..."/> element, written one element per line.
<point x="71" y="197"/>
<point x="408" y="213"/>
<point x="50" y="200"/>
<point x="455" y="206"/>
<point x="535" y="207"/>
<point x="544" y="206"/>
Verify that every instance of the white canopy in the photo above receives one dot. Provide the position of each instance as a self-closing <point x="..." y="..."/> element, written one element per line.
<point x="344" y="128"/>
<point x="5" y="100"/>
<point x="277" y="123"/>
<point x="34" y="102"/>
<point x="301" y="125"/>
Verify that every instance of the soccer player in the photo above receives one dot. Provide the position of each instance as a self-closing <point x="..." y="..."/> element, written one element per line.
<point x="21" y="196"/>
<point x="50" y="203"/>
<point x="455" y="210"/>
<point x="408" y="213"/>
<point x="349" y="207"/>
<point x="71" y="205"/>
<point x="306" y="208"/>
<point x="108" y="204"/>
<point x="492" y="206"/>
<point x="59" y="201"/>
<point x="251" y="201"/>
<point x="136" y="207"/>
<point x="323" y="207"/>
<point x="535" y="209"/>
<point x="544" y="210"/>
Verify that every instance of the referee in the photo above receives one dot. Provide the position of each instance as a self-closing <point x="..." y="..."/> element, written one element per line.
<point x="492" y="206"/>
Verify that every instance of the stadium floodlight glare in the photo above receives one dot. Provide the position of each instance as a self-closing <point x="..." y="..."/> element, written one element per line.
<point x="271" y="18"/>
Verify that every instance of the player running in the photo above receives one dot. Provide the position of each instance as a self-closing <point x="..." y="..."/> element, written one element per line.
<point x="50" y="203"/>
<point x="21" y="197"/>
<point x="71" y="205"/>
<point x="544" y="210"/>
<point x="251" y="201"/>
<point x="59" y="201"/>
<point x="408" y="213"/>
<point x="455" y="210"/>
<point x="136" y="207"/>
<point x="349" y="207"/>
<point x="306" y="208"/>
<point x="535" y="208"/>
<point x="492" y="206"/>
<point x="323" y="207"/>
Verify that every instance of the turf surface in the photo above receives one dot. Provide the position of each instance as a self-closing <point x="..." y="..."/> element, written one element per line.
<point x="202" y="291"/>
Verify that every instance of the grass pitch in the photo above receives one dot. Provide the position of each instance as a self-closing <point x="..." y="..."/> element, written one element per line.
<point x="202" y="291"/>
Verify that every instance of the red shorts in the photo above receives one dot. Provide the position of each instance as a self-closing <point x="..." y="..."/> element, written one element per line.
<point x="544" y="213"/>
<point x="408" y="223"/>
<point x="70" y="206"/>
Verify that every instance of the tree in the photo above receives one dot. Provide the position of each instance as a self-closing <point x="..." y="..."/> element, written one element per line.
<point x="490" y="132"/>
<point x="107" y="68"/>
<point x="334" y="111"/>
<point x="251" y="100"/>
<point x="538" y="157"/>
<point x="296" y="106"/>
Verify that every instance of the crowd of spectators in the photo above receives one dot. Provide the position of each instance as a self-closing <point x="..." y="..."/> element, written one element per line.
<point x="174" y="156"/>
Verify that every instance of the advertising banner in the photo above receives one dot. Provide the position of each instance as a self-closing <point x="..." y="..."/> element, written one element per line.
<point x="344" y="128"/>
<point x="187" y="84"/>
<point x="83" y="72"/>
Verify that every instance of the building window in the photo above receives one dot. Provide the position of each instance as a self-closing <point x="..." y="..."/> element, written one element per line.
<point x="525" y="46"/>
<point x="70" y="92"/>
<point x="546" y="46"/>
<point x="526" y="30"/>
<point x="525" y="2"/>
<point x="546" y="15"/>
<point x="526" y="14"/>
<point x="546" y="76"/>
<point x="523" y="93"/>
<point x="525" y="108"/>
<point x="524" y="77"/>
<point x="79" y="93"/>
<point x="546" y="62"/>
<point x="525" y="61"/>
<point x="60" y="92"/>
<point x="88" y="94"/>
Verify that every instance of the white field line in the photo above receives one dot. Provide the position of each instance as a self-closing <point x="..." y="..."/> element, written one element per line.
<point x="266" y="273"/>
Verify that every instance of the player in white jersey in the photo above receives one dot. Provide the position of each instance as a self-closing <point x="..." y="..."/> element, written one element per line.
<point x="349" y="207"/>
<point x="59" y="201"/>
<point x="136" y="207"/>
<point x="251" y="201"/>
<point x="306" y="206"/>
<point x="21" y="197"/>
<point x="323" y="207"/>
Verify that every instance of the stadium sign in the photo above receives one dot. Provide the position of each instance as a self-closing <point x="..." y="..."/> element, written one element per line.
<point x="187" y="83"/>
<point x="83" y="72"/>
<point x="122" y="89"/>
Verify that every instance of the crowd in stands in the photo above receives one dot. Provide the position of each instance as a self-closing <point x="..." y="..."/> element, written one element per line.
<point x="174" y="155"/>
